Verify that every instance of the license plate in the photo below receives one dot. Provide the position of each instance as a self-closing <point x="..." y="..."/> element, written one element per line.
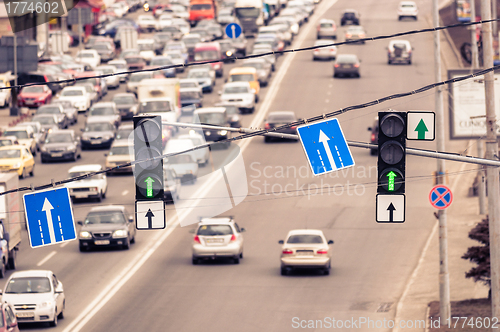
<point x="25" y="314"/>
<point x="95" y="142"/>
<point x="304" y="253"/>
<point x="57" y="154"/>
<point x="346" y="66"/>
<point x="101" y="242"/>
<point x="215" y="240"/>
<point x="82" y="196"/>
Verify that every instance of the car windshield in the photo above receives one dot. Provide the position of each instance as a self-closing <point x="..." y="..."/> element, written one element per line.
<point x="120" y="151"/>
<point x="146" y="46"/>
<point x="101" y="111"/>
<point x="305" y="238"/>
<point x="139" y="77"/>
<point x="241" y="78"/>
<point x="190" y="95"/>
<point x="201" y="7"/>
<point x="101" y="47"/>
<point x="212" y="118"/>
<point x="180" y="159"/>
<point x="108" y="217"/>
<point x="48" y="110"/>
<point x="44" y="120"/>
<point x="5" y="142"/>
<point x="10" y="153"/>
<point x="85" y="55"/>
<point x="256" y="65"/>
<point x="213" y="230"/>
<point x="326" y="25"/>
<point x="20" y="134"/>
<point x="236" y="89"/>
<point x="58" y="138"/>
<point x="281" y="118"/>
<point x="133" y="59"/>
<point x="124" y="133"/>
<point x="71" y="93"/>
<point x="161" y="62"/>
<point x="99" y="126"/>
<point x="247" y="12"/>
<point x="156" y="106"/>
<point x="198" y="74"/>
<point x="189" y="85"/>
<point x="120" y="100"/>
<point x="91" y="80"/>
<point x="32" y="89"/>
<point x="28" y="285"/>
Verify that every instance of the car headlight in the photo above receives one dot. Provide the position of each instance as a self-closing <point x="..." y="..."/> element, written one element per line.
<point x="229" y="53"/>
<point x="84" y="138"/>
<point x="71" y="148"/>
<point x="119" y="233"/>
<point x="85" y="235"/>
<point x="16" y="165"/>
<point x="222" y="132"/>
<point x="207" y="133"/>
<point x="46" y="304"/>
<point x="106" y="137"/>
<point x="43" y="149"/>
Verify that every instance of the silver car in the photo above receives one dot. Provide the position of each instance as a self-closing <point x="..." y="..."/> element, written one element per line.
<point x="218" y="238"/>
<point x="399" y="51"/>
<point x="326" y="29"/>
<point x="346" y="65"/>
<point x="325" y="52"/>
<point x="305" y="248"/>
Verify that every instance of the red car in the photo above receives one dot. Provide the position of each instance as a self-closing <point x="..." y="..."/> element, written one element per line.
<point x="96" y="82"/>
<point x="34" y="96"/>
<point x="8" y="320"/>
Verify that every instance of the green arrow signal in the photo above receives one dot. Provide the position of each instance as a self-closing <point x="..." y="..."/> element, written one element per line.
<point x="149" y="186"/>
<point x="421" y="129"/>
<point x="391" y="175"/>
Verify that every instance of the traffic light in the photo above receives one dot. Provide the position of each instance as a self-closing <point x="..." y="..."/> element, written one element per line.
<point x="391" y="152"/>
<point x="148" y="145"/>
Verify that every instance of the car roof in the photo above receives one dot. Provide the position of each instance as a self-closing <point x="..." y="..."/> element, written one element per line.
<point x="216" y="221"/>
<point x="86" y="168"/>
<point x="189" y="90"/>
<point x="399" y="41"/>
<point x="210" y="110"/>
<point x="108" y="208"/>
<point x="306" y="231"/>
<point x="122" y="142"/>
<point x="243" y="70"/>
<point x="104" y="103"/>
<point x="62" y="131"/>
<point x="14" y="146"/>
<point x="123" y="94"/>
<point x="31" y="273"/>
<point x="246" y="84"/>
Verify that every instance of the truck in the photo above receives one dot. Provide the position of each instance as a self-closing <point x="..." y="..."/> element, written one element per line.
<point x="201" y="10"/>
<point x="160" y="96"/>
<point x="250" y="14"/>
<point x="11" y="221"/>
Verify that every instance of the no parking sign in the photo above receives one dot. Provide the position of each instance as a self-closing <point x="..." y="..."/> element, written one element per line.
<point x="440" y="197"/>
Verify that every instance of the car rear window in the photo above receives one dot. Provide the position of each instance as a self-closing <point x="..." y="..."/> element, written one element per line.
<point x="326" y="25"/>
<point x="212" y="230"/>
<point x="305" y="238"/>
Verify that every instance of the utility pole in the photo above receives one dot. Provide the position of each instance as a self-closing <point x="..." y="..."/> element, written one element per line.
<point x="492" y="175"/>
<point x="474" y="50"/>
<point x="444" y="277"/>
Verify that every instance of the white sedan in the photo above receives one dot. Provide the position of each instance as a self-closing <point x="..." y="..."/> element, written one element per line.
<point x="78" y="97"/>
<point x="89" y="57"/>
<point x="112" y="81"/>
<point x="147" y="23"/>
<point x="239" y="94"/>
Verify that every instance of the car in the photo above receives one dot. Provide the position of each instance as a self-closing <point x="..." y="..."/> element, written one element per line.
<point x="94" y="187"/>
<point x="147" y="23"/>
<point x="210" y="52"/>
<point x="346" y="65"/>
<point x="90" y="77"/>
<point x="203" y="34"/>
<point x="233" y="114"/>
<point x="105" y="111"/>
<point x="269" y="58"/>
<point x="174" y="31"/>
<point x="58" y="111"/>
<point x="135" y="62"/>
<point x="111" y="28"/>
<point x="90" y="57"/>
<point x="281" y="30"/>
<point x="279" y="118"/>
<point x="93" y="40"/>
<point x="36" y="295"/>
<point x="121" y="67"/>
<point x="121" y="152"/>
<point x="263" y="68"/>
<point x="98" y="134"/>
<point x="326" y="29"/>
<point x="349" y="16"/>
<point x="127" y="105"/>
<point x="325" y="52"/>
<point x="190" y="83"/>
<point x="124" y="132"/>
<point x="399" y="51"/>
<point x="246" y="74"/>
<point x="39" y="77"/>
<point x="290" y="22"/>
<point x="272" y="40"/>
<point x="355" y="33"/>
<point x="17" y="158"/>
<point x="5" y="95"/>
<point x="105" y="50"/>
<point x="107" y="226"/>
<point x="38" y="132"/>
<point x="202" y="155"/>
<point x="203" y="77"/>
<point x="164" y="21"/>
<point x="208" y="67"/>
<point x="216" y="31"/>
<point x="226" y="16"/>
<point x="374" y="136"/>
<point x="177" y="59"/>
<point x="216" y="116"/>
<point x="305" y="249"/>
<point x="191" y="98"/>
<point x="8" y="140"/>
<point x="25" y="136"/>
<point x="71" y="112"/>
<point x="407" y="9"/>
<point x="240" y="44"/>
<point x="112" y="81"/>
<point x="34" y="96"/>
<point x="129" y="51"/>
<point x="60" y="145"/>
<point x="190" y="40"/>
<point x="78" y="97"/>
<point x="161" y="38"/>
<point x="135" y="79"/>
<point x="8" y="320"/>
<point x="239" y="94"/>
<point x="162" y="61"/>
<point x="91" y="91"/>
<point x="217" y="238"/>
<point x="47" y="122"/>
<point x="177" y="46"/>
<point x="185" y="165"/>
<point x="228" y="51"/>
<point x="146" y="49"/>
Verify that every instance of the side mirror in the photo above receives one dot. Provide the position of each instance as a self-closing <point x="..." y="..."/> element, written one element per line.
<point x="369" y="128"/>
<point x="242" y="230"/>
<point x="281" y="242"/>
<point x="330" y="241"/>
<point x="80" y="223"/>
<point x="192" y="230"/>
<point x="131" y="218"/>
<point x="59" y="288"/>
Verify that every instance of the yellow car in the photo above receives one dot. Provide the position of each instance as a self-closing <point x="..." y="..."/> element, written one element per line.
<point x="246" y="74"/>
<point x="17" y="158"/>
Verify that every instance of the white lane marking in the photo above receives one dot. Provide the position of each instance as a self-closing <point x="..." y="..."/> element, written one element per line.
<point x="64" y="244"/>
<point x="49" y="256"/>
<point x="124" y="192"/>
<point x="136" y="263"/>
<point x="60" y="227"/>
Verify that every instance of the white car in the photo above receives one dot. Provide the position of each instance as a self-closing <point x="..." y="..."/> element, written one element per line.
<point x="121" y="67"/>
<point x="146" y="49"/>
<point x="89" y="57"/>
<point x="147" y="23"/>
<point x="118" y="9"/>
<point x="202" y="155"/>
<point x="239" y="94"/>
<point x="306" y="249"/>
<point x="407" y="9"/>
<point x="185" y="164"/>
<point x="93" y="187"/>
<point x="190" y="83"/>
<point x="78" y="97"/>
<point x="5" y="96"/>
<point x="164" y="21"/>
<point x="36" y="296"/>
<point x="112" y="81"/>
<point x="324" y="53"/>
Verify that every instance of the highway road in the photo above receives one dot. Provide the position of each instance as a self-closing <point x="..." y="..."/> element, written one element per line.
<point x="154" y="287"/>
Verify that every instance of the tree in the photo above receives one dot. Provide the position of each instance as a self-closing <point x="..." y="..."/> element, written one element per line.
<point x="480" y="254"/>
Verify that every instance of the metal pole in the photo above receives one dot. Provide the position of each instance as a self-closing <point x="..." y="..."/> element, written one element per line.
<point x="47" y="37"/>
<point x="494" y="16"/>
<point x="80" y="29"/>
<point x="480" y="175"/>
<point x="474" y="50"/>
<point x="492" y="175"/>
<point x="444" y="277"/>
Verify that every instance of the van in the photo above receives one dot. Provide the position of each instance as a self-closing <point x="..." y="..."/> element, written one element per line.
<point x="246" y="74"/>
<point x="201" y="10"/>
<point x="209" y="52"/>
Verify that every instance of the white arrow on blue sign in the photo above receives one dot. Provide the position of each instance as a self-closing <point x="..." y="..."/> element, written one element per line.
<point x="325" y="146"/>
<point x="233" y="30"/>
<point x="49" y="217"/>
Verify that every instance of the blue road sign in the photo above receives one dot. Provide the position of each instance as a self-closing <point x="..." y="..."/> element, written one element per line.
<point x="49" y="217"/>
<point x="233" y="30"/>
<point x="441" y="197"/>
<point x="325" y="146"/>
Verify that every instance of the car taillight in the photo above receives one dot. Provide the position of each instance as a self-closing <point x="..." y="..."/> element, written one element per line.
<point x="332" y="50"/>
<point x="196" y="239"/>
<point x="287" y="251"/>
<point x="316" y="50"/>
<point x="361" y="35"/>
<point x="322" y="252"/>
<point x="267" y="126"/>
<point x="233" y="238"/>
<point x="293" y="127"/>
<point x="356" y="65"/>
<point x="373" y="138"/>
<point x="336" y="65"/>
<point x="348" y="35"/>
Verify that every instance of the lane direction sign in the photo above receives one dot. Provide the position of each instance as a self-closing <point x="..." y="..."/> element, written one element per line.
<point x="391" y="208"/>
<point x="441" y="197"/>
<point x="150" y="215"/>
<point x="325" y="146"/>
<point x="233" y="30"/>
<point x="49" y="217"/>
<point x="421" y="126"/>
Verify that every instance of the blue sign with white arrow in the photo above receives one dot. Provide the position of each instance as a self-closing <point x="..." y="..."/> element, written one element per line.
<point x="233" y="30"/>
<point x="325" y="146"/>
<point x="49" y="217"/>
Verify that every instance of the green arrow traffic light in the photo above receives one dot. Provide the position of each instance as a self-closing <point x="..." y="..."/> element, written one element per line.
<point x="149" y="187"/>
<point x="391" y="175"/>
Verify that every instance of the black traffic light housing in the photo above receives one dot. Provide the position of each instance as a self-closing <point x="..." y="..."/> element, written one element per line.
<point x="391" y="152"/>
<point x="147" y="145"/>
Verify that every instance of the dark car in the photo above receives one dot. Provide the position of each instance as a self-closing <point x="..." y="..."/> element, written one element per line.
<point x="111" y="28"/>
<point x="39" y="77"/>
<point x="191" y="99"/>
<point x="346" y="65"/>
<point x="98" y="135"/>
<point x="58" y="111"/>
<point x="46" y="121"/>
<point x="105" y="51"/>
<point x="349" y="16"/>
<point x="69" y="109"/>
<point x="216" y="116"/>
<point x="127" y="104"/>
<point x="276" y="119"/>
<point x="107" y="226"/>
<point x="60" y="145"/>
<point x="374" y="136"/>
<point x="124" y="131"/>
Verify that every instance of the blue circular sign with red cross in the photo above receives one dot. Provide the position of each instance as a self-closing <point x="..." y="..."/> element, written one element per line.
<point x="440" y="197"/>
